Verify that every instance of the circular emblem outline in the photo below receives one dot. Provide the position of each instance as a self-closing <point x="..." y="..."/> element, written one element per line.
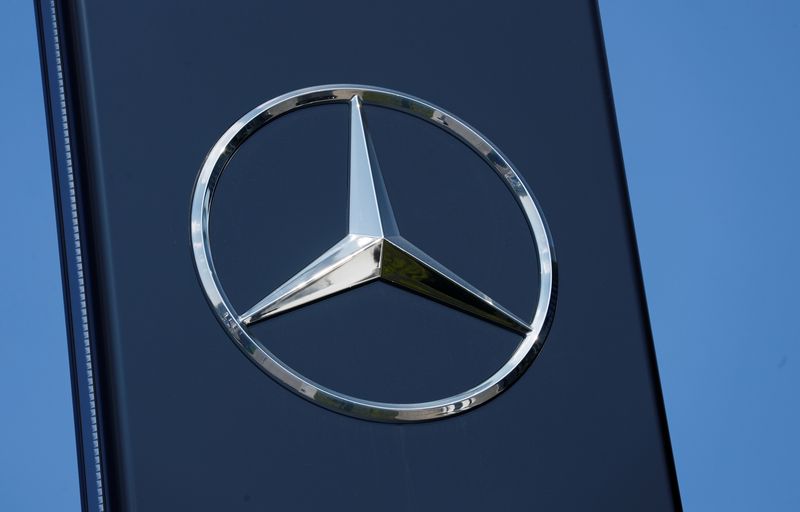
<point x="205" y="185"/>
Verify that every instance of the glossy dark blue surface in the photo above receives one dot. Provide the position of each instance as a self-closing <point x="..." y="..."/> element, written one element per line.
<point x="191" y="424"/>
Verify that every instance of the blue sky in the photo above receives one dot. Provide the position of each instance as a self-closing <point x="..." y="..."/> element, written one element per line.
<point x="709" y="111"/>
<point x="37" y="449"/>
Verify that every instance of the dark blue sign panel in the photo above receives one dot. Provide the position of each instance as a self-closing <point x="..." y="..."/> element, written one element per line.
<point x="348" y="257"/>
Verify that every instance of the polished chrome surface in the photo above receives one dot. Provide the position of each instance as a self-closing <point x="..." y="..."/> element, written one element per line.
<point x="404" y="265"/>
<point x="373" y="249"/>
<point x="352" y="261"/>
<point x="369" y="208"/>
<point x="366" y="253"/>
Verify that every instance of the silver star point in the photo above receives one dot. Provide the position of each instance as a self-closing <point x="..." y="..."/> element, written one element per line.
<point x="374" y="249"/>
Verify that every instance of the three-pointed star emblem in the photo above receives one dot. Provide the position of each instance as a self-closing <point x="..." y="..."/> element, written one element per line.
<point x="374" y="249"/>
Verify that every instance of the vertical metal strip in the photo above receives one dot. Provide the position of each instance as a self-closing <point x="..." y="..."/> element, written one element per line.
<point x="78" y="269"/>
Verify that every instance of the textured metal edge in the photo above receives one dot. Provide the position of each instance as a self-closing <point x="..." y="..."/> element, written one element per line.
<point x="66" y="191"/>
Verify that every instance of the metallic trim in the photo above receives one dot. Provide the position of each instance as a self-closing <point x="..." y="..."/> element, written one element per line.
<point x="79" y="273"/>
<point x="373" y="236"/>
<point x="374" y="249"/>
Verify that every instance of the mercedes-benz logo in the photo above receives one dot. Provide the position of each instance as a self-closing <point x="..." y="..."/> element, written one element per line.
<point x="373" y="249"/>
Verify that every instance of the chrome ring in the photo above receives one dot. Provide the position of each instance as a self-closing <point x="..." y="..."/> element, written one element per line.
<point x="208" y="178"/>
